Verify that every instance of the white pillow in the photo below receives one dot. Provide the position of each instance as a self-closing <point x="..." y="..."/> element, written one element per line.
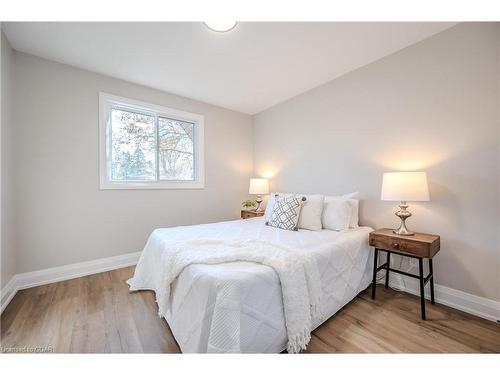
<point x="310" y="214"/>
<point x="354" y="203"/>
<point x="337" y="213"/>
<point x="354" y="222"/>
<point x="269" y="206"/>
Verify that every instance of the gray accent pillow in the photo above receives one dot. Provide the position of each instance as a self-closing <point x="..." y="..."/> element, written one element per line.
<point x="286" y="211"/>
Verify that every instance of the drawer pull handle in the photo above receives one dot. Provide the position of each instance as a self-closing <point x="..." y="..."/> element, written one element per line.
<point x="395" y="245"/>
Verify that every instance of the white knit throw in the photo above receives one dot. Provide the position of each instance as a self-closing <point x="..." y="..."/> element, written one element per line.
<point x="298" y="274"/>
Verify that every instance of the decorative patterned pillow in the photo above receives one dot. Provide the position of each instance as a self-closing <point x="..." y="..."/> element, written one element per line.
<point x="286" y="211"/>
<point x="270" y="203"/>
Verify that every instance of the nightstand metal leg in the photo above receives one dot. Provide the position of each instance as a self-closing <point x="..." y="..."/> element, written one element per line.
<point x="374" y="283"/>
<point x="387" y="270"/>
<point x="421" y="279"/>
<point x="431" y="271"/>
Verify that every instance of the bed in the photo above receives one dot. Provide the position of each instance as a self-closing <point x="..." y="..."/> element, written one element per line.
<point x="237" y="307"/>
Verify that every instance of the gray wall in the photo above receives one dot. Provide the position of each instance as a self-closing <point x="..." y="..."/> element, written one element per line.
<point x="8" y="254"/>
<point x="62" y="216"/>
<point x="433" y="106"/>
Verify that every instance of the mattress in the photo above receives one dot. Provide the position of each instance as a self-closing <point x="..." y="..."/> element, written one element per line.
<point x="237" y="307"/>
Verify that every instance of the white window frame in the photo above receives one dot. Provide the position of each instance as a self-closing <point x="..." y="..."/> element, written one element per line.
<point x="106" y="102"/>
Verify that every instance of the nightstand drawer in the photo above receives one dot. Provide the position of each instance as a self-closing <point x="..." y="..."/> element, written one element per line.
<point x="247" y="214"/>
<point x="385" y="243"/>
<point x="413" y="245"/>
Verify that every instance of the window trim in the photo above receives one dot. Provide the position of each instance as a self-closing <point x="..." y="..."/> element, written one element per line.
<point x="106" y="101"/>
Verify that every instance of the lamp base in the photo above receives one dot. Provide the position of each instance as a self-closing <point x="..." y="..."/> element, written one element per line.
<point x="402" y="231"/>
<point x="403" y="214"/>
<point x="259" y="201"/>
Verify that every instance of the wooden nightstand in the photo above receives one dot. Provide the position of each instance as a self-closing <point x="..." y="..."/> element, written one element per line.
<point x="419" y="246"/>
<point x="246" y="214"/>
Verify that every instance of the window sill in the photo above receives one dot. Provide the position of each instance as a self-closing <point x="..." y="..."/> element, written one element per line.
<point x="180" y="185"/>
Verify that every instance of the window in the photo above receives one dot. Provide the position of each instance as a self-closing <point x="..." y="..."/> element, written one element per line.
<point x="145" y="146"/>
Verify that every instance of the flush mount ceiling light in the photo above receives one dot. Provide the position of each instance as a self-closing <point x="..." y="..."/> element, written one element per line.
<point x="220" y="26"/>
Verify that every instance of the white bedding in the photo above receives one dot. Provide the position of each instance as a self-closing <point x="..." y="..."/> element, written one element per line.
<point x="237" y="306"/>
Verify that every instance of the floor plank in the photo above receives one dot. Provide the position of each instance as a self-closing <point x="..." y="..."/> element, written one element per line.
<point x="98" y="314"/>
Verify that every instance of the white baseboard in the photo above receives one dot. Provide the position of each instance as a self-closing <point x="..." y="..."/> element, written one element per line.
<point x="469" y="303"/>
<point x="70" y="271"/>
<point x="8" y="292"/>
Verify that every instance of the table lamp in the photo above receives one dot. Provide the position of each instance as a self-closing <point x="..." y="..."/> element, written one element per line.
<point x="404" y="187"/>
<point x="258" y="186"/>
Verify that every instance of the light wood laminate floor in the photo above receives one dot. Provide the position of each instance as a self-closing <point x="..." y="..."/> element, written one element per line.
<point x="97" y="314"/>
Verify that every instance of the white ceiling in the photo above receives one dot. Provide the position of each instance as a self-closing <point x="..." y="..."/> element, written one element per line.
<point x="249" y="69"/>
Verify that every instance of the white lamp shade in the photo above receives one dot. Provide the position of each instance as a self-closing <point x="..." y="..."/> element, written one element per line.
<point x="258" y="186"/>
<point x="405" y="187"/>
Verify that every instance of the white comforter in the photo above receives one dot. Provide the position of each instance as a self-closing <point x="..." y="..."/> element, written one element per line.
<point x="297" y="271"/>
<point x="238" y="306"/>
